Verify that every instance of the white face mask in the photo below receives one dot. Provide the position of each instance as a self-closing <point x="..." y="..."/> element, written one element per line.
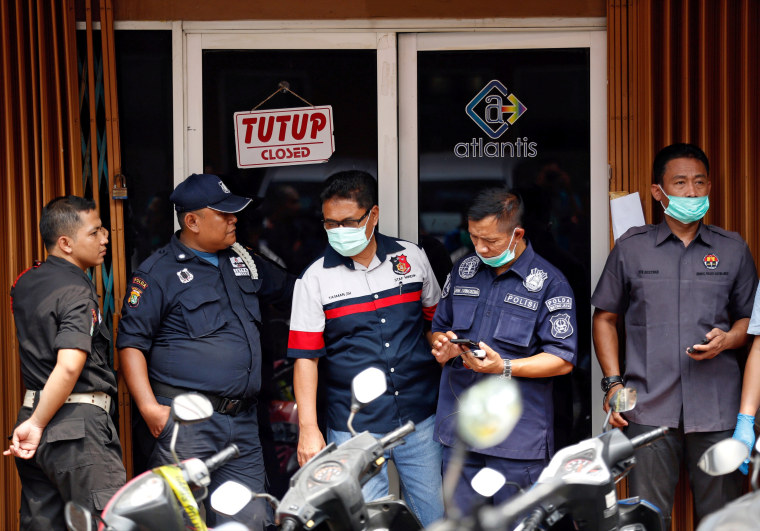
<point x="349" y="241"/>
<point x="504" y="258"/>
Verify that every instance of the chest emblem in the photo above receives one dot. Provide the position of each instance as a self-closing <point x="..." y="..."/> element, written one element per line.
<point x="535" y="281"/>
<point x="400" y="264"/>
<point x="239" y="267"/>
<point x="711" y="261"/>
<point x="185" y="276"/>
<point x="446" y="287"/>
<point x="469" y="267"/>
<point x="561" y="327"/>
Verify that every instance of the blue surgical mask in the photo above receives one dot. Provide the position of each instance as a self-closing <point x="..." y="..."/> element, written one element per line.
<point x="504" y="258"/>
<point x="686" y="209"/>
<point x="349" y="241"/>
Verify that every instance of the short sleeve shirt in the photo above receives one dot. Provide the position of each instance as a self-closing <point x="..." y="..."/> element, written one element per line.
<point x="352" y="317"/>
<point x="754" y="321"/>
<point x="55" y="307"/>
<point x="198" y="324"/>
<point x="528" y="309"/>
<point x="671" y="296"/>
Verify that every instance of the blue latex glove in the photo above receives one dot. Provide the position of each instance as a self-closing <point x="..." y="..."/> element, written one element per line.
<point x="745" y="432"/>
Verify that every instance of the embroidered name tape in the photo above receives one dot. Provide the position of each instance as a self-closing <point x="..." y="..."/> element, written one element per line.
<point x="467" y="292"/>
<point x="559" y="303"/>
<point x="525" y="302"/>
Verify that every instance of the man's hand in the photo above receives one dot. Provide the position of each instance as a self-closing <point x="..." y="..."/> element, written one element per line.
<point x="310" y="442"/>
<point x="491" y="364"/>
<point x="616" y="419"/>
<point x="156" y="418"/>
<point x="26" y="439"/>
<point x="718" y="342"/>
<point x="443" y="350"/>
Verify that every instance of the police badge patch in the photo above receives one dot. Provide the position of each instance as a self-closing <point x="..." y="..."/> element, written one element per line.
<point x="446" y="287"/>
<point x="711" y="261"/>
<point x="535" y="281"/>
<point x="134" y="297"/>
<point x="561" y="327"/>
<point x="469" y="267"/>
<point x="185" y="276"/>
<point x="400" y="264"/>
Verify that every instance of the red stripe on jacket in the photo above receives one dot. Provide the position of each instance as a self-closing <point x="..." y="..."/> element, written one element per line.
<point x="306" y="340"/>
<point x="373" y="305"/>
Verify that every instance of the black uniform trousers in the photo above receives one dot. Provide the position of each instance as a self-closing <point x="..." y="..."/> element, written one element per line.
<point x="655" y="475"/>
<point x="78" y="459"/>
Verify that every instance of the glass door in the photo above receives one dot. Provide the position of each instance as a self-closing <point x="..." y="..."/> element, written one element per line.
<point x="524" y="110"/>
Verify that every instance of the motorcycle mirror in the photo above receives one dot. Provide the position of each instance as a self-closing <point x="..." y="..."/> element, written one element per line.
<point x="365" y="387"/>
<point x="623" y="400"/>
<point x="723" y="457"/>
<point x="230" y="498"/>
<point x="77" y="517"/>
<point x="189" y="408"/>
<point x="487" y="482"/>
<point x="488" y="412"/>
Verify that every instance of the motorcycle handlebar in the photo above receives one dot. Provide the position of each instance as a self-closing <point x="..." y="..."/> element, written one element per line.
<point x="397" y="434"/>
<point x="646" y="438"/>
<point x="288" y="524"/>
<point x="535" y="519"/>
<point x="215" y="461"/>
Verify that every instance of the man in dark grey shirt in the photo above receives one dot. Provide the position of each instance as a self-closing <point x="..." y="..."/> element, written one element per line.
<point x="685" y="292"/>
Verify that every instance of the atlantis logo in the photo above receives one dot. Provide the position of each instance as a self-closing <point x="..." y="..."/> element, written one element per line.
<point x="489" y="111"/>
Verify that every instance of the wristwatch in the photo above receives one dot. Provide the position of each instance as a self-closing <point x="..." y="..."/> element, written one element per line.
<point x="507" y="372"/>
<point x="608" y="382"/>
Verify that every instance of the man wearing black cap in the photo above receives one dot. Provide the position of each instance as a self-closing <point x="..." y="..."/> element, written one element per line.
<point x="191" y="319"/>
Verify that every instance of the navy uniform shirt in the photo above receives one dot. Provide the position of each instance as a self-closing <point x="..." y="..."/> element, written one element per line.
<point x="198" y="324"/>
<point x="528" y="309"/>
<point x="353" y="317"/>
<point x="55" y="306"/>
<point x="671" y="296"/>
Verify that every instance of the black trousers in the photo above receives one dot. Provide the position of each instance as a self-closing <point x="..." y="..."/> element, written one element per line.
<point x="655" y="475"/>
<point x="78" y="459"/>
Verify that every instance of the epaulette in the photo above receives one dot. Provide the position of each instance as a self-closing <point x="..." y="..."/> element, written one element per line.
<point x="149" y="262"/>
<point x="633" y="231"/>
<point x="726" y="233"/>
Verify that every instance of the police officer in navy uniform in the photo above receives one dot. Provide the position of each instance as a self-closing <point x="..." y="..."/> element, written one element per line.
<point x="191" y="322"/>
<point x="65" y="443"/>
<point x="684" y="290"/>
<point x="521" y="311"/>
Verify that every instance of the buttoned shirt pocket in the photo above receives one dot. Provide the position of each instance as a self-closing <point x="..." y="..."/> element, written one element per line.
<point x="251" y="299"/>
<point x="516" y="330"/>
<point x="202" y="311"/>
<point x="463" y="314"/>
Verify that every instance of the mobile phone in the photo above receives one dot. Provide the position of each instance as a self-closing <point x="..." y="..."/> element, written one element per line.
<point x="704" y="341"/>
<point x="464" y="341"/>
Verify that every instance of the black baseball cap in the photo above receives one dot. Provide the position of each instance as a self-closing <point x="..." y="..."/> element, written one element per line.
<point x="203" y="190"/>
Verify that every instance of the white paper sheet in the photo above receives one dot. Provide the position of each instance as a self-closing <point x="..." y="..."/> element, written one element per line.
<point x="626" y="212"/>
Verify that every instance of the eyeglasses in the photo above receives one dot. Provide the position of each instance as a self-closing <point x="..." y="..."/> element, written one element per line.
<point x="348" y="223"/>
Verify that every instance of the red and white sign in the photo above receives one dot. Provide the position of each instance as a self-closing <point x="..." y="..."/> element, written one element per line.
<point x="302" y="135"/>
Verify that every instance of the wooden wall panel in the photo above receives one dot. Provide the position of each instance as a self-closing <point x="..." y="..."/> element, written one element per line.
<point x="39" y="157"/>
<point x="687" y="71"/>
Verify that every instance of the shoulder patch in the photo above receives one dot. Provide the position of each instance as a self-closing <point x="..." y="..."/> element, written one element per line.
<point x="559" y="303"/>
<point x="561" y="326"/>
<point x="446" y="287"/>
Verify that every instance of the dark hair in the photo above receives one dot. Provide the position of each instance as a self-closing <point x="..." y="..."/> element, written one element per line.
<point x="60" y="217"/>
<point x="499" y="202"/>
<point x="356" y="185"/>
<point x="676" y="151"/>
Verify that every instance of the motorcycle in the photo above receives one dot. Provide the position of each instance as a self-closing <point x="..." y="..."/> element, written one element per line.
<point x="743" y="513"/>
<point x="326" y="493"/>
<point x="579" y="481"/>
<point x="165" y="497"/>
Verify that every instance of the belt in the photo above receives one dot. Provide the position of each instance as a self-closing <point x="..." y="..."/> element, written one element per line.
<point x="221" y="404"/>
<point x="96" y="398"/>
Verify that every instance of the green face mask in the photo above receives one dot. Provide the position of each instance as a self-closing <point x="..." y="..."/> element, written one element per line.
<point x="504" y="258"/>
<point x="686" y="209"/>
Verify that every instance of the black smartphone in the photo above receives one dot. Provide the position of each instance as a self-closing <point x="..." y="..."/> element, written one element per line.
<point x="464" y="341"/>
<point x="704" y="341"/>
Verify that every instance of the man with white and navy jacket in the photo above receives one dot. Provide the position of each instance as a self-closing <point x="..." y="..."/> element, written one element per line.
<point x="368" y="302"/>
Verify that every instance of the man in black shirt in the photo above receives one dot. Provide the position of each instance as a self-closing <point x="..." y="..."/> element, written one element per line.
<point x="65" y="443"/>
